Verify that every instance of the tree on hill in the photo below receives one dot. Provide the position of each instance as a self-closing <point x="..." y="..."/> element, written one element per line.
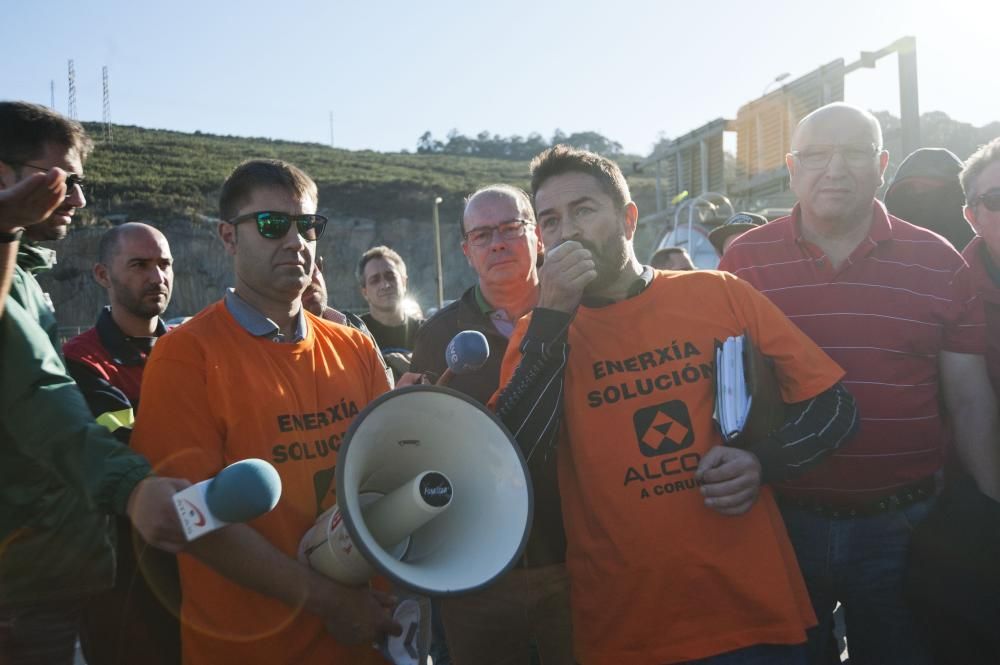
<point x="514" y="147"/>
<point x="937" y="130"/>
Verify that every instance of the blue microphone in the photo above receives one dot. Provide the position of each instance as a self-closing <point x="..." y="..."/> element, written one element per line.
<point x="466" y="352"/>
<point x="240" y="492"/>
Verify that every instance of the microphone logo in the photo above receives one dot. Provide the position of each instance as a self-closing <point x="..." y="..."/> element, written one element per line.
<point x="193" y="513"/>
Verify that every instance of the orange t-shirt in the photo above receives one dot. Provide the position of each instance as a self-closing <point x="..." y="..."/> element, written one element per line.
<point x="657" y="577"/>
<point x="212" y="395"/>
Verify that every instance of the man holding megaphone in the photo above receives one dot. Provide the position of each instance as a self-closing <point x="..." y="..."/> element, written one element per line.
<point x="254" y="375"/>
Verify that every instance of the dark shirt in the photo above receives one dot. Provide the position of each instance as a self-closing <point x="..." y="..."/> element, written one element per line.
<point x="107" y="364"/>
<point x="465" y="313"/>
<point x="389" y="338"/>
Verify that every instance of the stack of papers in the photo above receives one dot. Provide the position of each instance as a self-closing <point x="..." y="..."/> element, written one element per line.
<point x="733" y="397"/>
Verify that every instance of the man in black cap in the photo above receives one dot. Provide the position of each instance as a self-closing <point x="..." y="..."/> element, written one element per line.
<point x="926" y="191"/>
<point x="723" y="236"/>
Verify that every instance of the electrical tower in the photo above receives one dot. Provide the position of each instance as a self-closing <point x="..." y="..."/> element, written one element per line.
<point x="72" y="91"/>
<point x="52" y="94"/>
<point x="107" y="104"/>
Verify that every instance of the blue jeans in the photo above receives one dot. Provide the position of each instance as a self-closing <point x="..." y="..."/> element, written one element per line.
<point x="861" y="563"/>
<point x="760" y="654"/>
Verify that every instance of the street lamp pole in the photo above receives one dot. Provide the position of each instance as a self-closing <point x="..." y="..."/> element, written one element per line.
<point x="437" y="251"/>
<point x="777" y="79"/>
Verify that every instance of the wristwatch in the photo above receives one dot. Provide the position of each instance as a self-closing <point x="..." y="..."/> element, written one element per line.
<point x="10" y="237"/>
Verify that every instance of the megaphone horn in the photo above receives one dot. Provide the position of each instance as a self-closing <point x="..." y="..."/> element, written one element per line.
<point x="432" y="492"/>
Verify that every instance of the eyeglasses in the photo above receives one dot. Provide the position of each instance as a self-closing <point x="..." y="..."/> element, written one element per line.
<point x="274" y="225"/>
<point x="72" y="179"/>
<point x="482" y="235"/>
<point x="819" y="156"/>
<point x="990" y="200"/>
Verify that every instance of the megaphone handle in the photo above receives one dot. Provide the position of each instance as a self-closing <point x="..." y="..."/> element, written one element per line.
<point x="445" y="378"/>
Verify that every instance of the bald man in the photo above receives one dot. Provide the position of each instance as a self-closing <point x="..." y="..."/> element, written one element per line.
<point x="894" y="305"/>
<point x="129" y="623"/>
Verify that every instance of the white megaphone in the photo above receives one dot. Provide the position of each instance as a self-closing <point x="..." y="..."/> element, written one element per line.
<point x="432" y="493"/>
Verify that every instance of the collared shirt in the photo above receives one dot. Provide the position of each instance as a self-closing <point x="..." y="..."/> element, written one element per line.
<point x="258" y="325"/>
<point x="499" y="318"/>
<point x="885" y="315"/>
<point x="126" y="350"/>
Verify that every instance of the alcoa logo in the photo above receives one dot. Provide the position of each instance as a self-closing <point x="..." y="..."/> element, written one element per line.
<point x="663" y="428"/>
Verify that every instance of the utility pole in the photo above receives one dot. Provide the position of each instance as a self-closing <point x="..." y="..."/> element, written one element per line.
<point x="107" y="104"/>
<point x="72" y="91"/>
<point x="52" y="94"/>
<point x="437" y="253"/>
<point x="331" y="129"/>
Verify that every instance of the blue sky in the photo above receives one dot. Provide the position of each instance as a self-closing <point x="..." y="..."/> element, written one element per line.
<point x="630" y="69"/>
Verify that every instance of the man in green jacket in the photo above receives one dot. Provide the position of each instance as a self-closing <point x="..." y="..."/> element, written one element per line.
<point x="61" y="474"/>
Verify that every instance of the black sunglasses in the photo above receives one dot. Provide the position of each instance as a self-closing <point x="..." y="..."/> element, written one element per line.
<point x="72" y="179"/>
<point x="274" y="225"/>
<point x="991" y="200"/>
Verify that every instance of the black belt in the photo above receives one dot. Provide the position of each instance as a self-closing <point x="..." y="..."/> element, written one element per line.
<point x="905" y="496"/>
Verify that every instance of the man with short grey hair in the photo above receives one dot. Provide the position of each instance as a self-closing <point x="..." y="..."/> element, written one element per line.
<point x="894" y="305"/>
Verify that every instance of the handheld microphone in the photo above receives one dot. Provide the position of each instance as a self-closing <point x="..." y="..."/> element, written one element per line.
<point x="241" y="492"/>
<point x="466" y="352"/>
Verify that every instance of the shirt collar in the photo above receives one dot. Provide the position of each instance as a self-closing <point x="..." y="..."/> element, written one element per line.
<point x="258" y="325"/>
<point x="640" y="284"/>
<point x="125" y="350"/>
<point x="499" y="318"/>
<point x="880" y="230"/>
<point x="484" y="306"/>
<point x="35" y="258"/>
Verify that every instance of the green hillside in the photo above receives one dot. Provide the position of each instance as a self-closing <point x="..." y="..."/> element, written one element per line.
<point x="172" y="180"/>
<point x="165" y="174"/>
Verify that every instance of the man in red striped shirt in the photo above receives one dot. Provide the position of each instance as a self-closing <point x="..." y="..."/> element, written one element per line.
<point x="894" y="305"/>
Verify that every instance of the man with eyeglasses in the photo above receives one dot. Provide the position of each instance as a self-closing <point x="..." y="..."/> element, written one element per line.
<point x="256" y="375"/>
<point x="894" y="305"/>
<point x="530" y="605"/>
<point x="61" y="474"/>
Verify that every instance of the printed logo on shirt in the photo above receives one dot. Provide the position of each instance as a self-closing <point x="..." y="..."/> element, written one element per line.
<point x="663" y="429"/>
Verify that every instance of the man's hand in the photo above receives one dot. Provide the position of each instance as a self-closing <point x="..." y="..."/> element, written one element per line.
<point x="398" y="361"/>
<point x="151" y="509"/>
<point x="359" y="615"/>
<point x="730" y="479"/>
<point x="32" y="199"/>
<point x="411" y="379"/>
<point x="568" y="269"/>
